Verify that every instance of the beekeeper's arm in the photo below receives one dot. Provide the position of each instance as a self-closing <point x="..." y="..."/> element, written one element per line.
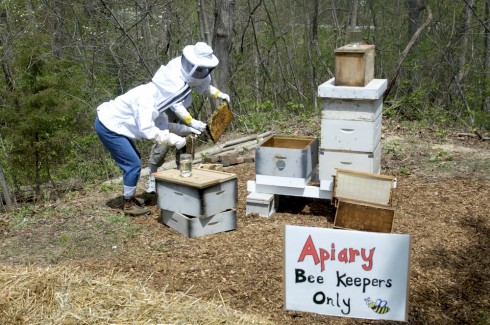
<point x="146" y="116"/>
<point x="184" y="115"/>
<point x="216" y="93"/>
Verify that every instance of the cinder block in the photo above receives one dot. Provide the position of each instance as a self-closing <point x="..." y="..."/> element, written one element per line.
<point x="196" y="227"/>
<point x="263" y="204"/>
<point x="250" y="158"/>
<point x="228" y="159"/>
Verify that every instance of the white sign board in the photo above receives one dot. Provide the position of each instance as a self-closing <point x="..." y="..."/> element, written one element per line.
<point x="347" y="273"/>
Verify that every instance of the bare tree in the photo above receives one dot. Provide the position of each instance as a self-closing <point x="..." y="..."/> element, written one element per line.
<point x="464" y="41"/>
<point x="222" y="40"/>
<point x="406" y="50"/>
<point x="5" y="191"/>
<point x="486" y="59"/>
<point x="4" y="50"/>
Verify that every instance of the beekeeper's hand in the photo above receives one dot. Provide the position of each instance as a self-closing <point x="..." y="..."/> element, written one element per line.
<point x="198" y="125"/>
<point x="223" y="96"/>
<point x="175" y="140"/>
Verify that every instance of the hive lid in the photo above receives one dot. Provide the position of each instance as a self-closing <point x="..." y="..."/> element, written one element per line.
<point x="200" y="178"/>
<point x="364" y="187"/>
<point x="354" y="49"/>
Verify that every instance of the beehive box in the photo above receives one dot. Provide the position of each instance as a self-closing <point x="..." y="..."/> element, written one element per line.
<point x="196" y="227"/>
<point x="203" y="194"/>
<point x="372" y="91"/>
<point x="330" y="160"/>
<point x="351" y="109"/>
<point x="364" y="201"/>
<point x="262" y="204"/>
<point x="354" y="65"/>
<point x="287" y="156"/>
<point x="364" y="217"/>
<point x="362" y="136"/>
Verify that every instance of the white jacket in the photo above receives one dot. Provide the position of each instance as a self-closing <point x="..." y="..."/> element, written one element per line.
<point x="137" y="114"/>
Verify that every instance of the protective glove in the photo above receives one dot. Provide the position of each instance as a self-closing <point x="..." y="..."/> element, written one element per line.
<point x="182" y="129"/>
<point x="198" y="125"/>
<point x="224" y="96"/>
<point x="175" y="140"/>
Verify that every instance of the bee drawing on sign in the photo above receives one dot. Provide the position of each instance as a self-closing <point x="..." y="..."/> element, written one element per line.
<point x="379" y="307"/>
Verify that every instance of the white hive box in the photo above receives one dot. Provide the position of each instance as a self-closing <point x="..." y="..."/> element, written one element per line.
<point x="351" y="109"/>
<point x="263" y="204"/>
<point x="204" y="194"/>
<point x="330" y="160"/>
<point x="363" y="136"/>
<point x="291" y="158"/>
<point x="372" y="91"/>
<point x="197" y="227"/>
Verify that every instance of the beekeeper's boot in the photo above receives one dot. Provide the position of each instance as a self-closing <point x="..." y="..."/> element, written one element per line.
<point x="132" y="207"/>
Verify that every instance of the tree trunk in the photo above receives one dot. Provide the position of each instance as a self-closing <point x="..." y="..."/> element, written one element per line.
<point x="223" y="26"/>
<point x="464" y="41"/>
<point x="486" y="62"/>
<point x="406" y="50"/>
<point x="314" y="45"/>
<point x="415" y="8"/>
<point x="353" y="14"/>
<point x="4" y="51"/>
<point x="5" y="191"/>
<point x="203" y="23"/>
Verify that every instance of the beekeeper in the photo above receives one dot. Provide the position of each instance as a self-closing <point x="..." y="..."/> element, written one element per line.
<point x="140" y="113"/>
<point x="175" y="82"/>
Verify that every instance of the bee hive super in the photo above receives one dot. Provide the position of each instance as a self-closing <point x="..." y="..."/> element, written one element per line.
<point x="209" y="195"/>
<point x="364" y="201"/>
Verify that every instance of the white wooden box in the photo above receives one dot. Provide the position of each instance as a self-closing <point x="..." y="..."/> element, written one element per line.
<point x="349" y="135"/>
<point x="350" y="109"/>
<point x="373" y="90"/>
<point x="287" y="156"/>
<point x="263" y="204"/>
<point x="204" y="194"/>
<point x="330" y="160"/>
<point x="197" y="227"/>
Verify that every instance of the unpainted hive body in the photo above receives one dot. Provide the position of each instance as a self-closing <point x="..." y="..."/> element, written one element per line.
<point x="354" y="66"/>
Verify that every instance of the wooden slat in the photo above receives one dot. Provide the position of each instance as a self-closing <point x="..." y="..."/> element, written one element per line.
<point x="364" y="187"/>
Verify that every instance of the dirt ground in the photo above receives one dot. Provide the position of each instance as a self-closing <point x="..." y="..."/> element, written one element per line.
<point x="442" y="201"/>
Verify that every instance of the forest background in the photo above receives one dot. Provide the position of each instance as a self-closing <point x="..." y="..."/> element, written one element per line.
<point x="60" y="59"/>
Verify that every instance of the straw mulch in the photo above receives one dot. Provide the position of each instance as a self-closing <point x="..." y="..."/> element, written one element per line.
<point x="62" y="295"/>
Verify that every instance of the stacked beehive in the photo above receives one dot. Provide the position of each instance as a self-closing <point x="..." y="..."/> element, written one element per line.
<point x="202" y="204"/>
<point x="352" y="106"/>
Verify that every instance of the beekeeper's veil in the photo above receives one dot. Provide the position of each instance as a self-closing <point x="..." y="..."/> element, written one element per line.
<point x="197" y="63"/>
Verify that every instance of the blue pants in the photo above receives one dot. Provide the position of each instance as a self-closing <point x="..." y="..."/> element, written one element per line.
<point x="123" y="151"/>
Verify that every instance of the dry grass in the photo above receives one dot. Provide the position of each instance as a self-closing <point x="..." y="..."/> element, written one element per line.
<point x="63" y="295"/>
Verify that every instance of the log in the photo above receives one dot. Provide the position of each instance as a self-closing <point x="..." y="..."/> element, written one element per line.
<point x="247" y="138"/>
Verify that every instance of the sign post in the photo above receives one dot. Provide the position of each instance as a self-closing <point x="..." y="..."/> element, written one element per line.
<point x="347" y="273"/>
